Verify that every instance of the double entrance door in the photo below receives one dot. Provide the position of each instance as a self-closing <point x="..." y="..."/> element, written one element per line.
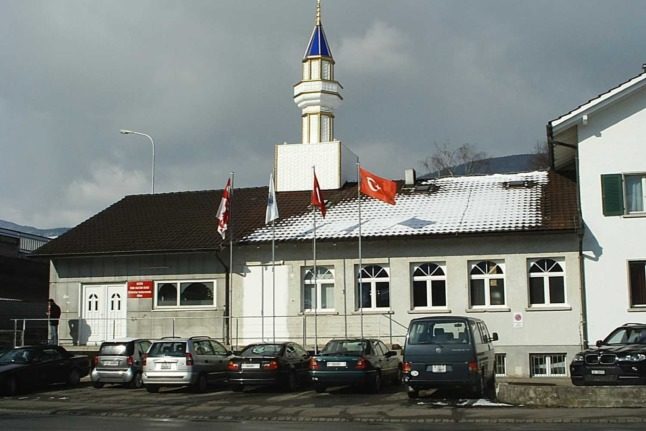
<point x="103" y="314"/>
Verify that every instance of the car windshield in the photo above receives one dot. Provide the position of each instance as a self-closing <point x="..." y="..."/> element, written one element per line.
<point x="627" y="336"/>
<point x="438" y="332"/>
<point x="345" y="347"/>
<point x="261" y="350"/>
<point x="116" y="349"/>
<point x="168" y="348"/>
<point x="18" y="356"/>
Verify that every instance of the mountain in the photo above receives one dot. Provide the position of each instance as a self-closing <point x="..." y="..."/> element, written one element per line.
<point x="49" y="233"/>
<point x="495" y="165"/>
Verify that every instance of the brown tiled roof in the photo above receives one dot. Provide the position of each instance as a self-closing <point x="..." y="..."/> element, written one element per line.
<point x="186" y="221"/>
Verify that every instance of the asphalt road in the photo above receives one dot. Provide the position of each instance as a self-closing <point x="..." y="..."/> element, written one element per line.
<point x="340" y="407"/>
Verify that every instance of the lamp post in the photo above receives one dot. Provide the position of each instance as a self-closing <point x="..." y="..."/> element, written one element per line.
<point x="152" y="143"/>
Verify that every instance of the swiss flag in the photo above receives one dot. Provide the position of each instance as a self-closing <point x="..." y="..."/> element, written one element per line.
<point x="317" y="197"/>
<point x="377" y="187"/>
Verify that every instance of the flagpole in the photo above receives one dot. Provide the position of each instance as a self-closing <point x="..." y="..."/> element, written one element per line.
<point x="360" y="257"/>
<point x="315" y="277"/>
<point x="229" y="290"/>
<point x="273" y="280"/>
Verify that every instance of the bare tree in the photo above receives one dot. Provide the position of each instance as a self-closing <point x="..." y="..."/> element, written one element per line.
<point x="541" y="156"/>
<point x="448" y="161"/>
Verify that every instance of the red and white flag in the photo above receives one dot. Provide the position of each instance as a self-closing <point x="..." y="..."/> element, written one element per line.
<point x="317" y="197"/>
<point x="376" y="187"/>
<point x="224" y="210"/>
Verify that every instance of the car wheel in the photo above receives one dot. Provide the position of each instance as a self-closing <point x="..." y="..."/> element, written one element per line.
<point x="97" y="385"/>
<point x="375" y="384"/>
<point x="319" y="389"/>
<point x="74" y="378"/>
<point x="478" y="390"/>
<point x="290" y="382"/>
<point x="490" y="389"/>
<point x="136" y="382"/>
<point x="11" y="386"/>
<point x="202" y="384"/>
<point x="153" y="389"/>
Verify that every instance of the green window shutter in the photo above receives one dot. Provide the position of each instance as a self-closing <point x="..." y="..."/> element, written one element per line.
<point x="612" y="193"/>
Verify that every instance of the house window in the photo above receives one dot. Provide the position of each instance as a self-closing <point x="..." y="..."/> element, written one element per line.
<point x="429" y="286"/>
<point x="487" y="284"/>
<point x="318" y="291"/>
<point x="548" y="364"/>
<point x="546" y="282"/>
<point x="637" y="271"/>
<point x="623" y="194"/>
<point x="373" y="287"/>
<point x="185" y="294"/>
<point x="500" y="364"/>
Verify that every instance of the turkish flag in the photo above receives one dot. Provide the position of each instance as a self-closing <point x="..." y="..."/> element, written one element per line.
<point x="317" y="197"/>
<point x="377" y="187"/>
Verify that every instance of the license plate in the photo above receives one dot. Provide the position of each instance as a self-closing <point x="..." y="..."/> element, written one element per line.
<point x="598" y="372"/>
<point x="438" y="368"/>
<point x="336" y="364"/>
<point x="250" y="366"/>
<point x="110" y="363"/>
<point x="165" y="366"/>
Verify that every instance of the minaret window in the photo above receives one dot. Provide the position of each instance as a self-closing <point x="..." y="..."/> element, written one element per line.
<point x="306" y="71"/>
<point x="327" y="71"/>
<point x="316" y="69"/>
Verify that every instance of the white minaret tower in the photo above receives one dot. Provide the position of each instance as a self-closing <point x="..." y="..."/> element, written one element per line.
<point x="317" y="95"/>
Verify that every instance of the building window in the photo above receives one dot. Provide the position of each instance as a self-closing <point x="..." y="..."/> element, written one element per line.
<point x="318" y="291"/>
<point x="500" y="364"/>
<point x="373" y="287"/>
<point x="548" y="365"/>
<point x="185" y="294"/>
<point x="637" y="271"/>
<point x="546" y="282"/>
<point x="487" y="284"/>
<point x="429" y="286"/>
<point x="623" y="194"/>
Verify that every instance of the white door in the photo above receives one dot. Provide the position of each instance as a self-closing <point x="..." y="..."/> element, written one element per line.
<point x="103" y="314"/>
<point x="264" y="308"/>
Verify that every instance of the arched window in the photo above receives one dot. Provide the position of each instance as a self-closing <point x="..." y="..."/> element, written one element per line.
<point x="373" y="287"/>
<point x="196" y="293"/>
<point x="115" y="302"/>
<point x="167" y="294"/>
<point x="546" y="282"/>
<point x="93" y="302"/>
<point x="429" y="286"/>
<point x="487" y="284"/>
<point x="318" y="292"/>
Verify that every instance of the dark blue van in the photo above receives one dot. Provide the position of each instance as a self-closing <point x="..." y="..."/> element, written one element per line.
<point x="449" y="352"/>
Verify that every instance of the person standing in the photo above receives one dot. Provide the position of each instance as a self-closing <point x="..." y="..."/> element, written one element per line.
<point x="53" y="314"/>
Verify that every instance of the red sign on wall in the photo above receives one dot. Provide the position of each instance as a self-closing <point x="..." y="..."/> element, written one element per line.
<point x="140" y="289"/>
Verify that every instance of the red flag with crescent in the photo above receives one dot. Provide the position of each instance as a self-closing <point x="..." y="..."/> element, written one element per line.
<point x="317" y="197"/>
<point x="376" y="187"/>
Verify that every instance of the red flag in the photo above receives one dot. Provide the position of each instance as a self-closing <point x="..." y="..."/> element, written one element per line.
<point x="377" y="187"/>
<point x="317" y="197"/>
<point x="224" y="210"/>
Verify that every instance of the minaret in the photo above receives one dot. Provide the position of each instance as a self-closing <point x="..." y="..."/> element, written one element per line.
<point x="317" y="95"/>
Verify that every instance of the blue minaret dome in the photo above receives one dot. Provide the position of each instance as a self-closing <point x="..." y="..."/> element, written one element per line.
<point x="318" y="46"/>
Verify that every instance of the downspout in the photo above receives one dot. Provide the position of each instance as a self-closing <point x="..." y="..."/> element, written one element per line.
<point x="580" y="232"/>
<point x="226" y="322"/>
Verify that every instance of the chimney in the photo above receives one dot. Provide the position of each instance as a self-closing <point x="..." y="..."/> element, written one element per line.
<point x="409" y="177"/>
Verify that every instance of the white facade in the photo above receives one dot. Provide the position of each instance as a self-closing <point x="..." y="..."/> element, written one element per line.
<point x="610" y="135"/>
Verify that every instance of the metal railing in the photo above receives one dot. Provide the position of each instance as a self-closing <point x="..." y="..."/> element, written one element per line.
<point x="308" y="329"/>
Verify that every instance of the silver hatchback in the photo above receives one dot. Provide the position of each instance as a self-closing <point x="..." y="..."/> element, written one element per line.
<point x="120" y="361"/>
<point x="195" y="362"/>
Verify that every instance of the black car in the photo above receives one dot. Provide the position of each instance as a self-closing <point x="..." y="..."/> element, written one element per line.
<point x="29" y="367"/>
<point x="619" y="359"/>
<point x="269" y="364"/>
<point x="364" y="363"/>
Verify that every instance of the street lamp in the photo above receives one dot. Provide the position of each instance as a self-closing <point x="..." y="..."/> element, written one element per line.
<point x="152" y="143"/>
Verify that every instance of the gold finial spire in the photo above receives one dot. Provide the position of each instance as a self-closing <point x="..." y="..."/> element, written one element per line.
<point x="318" y="12"/>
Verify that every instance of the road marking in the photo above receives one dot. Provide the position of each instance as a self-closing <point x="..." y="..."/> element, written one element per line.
<point x="287" y="397"/>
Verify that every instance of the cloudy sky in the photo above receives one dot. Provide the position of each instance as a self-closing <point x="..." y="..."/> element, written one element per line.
<point x="211" y="82"/>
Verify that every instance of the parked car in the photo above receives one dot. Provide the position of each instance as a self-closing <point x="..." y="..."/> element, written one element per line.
<point x="619" y="359"/>
<point x="363" y="363"/>
<point x="283" y="364"/>
<point x="194" y="361"/>
<point x="30" y="367"/>
<point x="5" y="347"/>
<point x="120" y="361"/>
<point x="449" y="352"/>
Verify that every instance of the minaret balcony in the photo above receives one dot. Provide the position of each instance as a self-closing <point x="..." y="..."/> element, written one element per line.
<point x="317" y="93"/>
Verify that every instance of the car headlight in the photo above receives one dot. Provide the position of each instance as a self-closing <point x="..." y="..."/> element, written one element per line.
<point x="632" y="357"/>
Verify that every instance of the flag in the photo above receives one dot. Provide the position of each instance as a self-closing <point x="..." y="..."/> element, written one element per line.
<point x="224" y="210"/>
<point x="272" y="206"/>
<point x="377" y="187"/>
<point x="317" y="197"/>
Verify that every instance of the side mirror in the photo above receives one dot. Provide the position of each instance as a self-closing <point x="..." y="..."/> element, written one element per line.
<point x="494" y="336"/>
<point x="599" y="343"/>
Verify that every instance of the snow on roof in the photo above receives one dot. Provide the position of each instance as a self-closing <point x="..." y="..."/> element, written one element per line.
<point x="490" y="203"/>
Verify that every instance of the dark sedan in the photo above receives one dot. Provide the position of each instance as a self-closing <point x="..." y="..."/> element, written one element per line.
<point x="363" y="363"/>
<point x="29" y="367"/>
<point x="282" y="364"/>
<point x="619" y="359"/>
